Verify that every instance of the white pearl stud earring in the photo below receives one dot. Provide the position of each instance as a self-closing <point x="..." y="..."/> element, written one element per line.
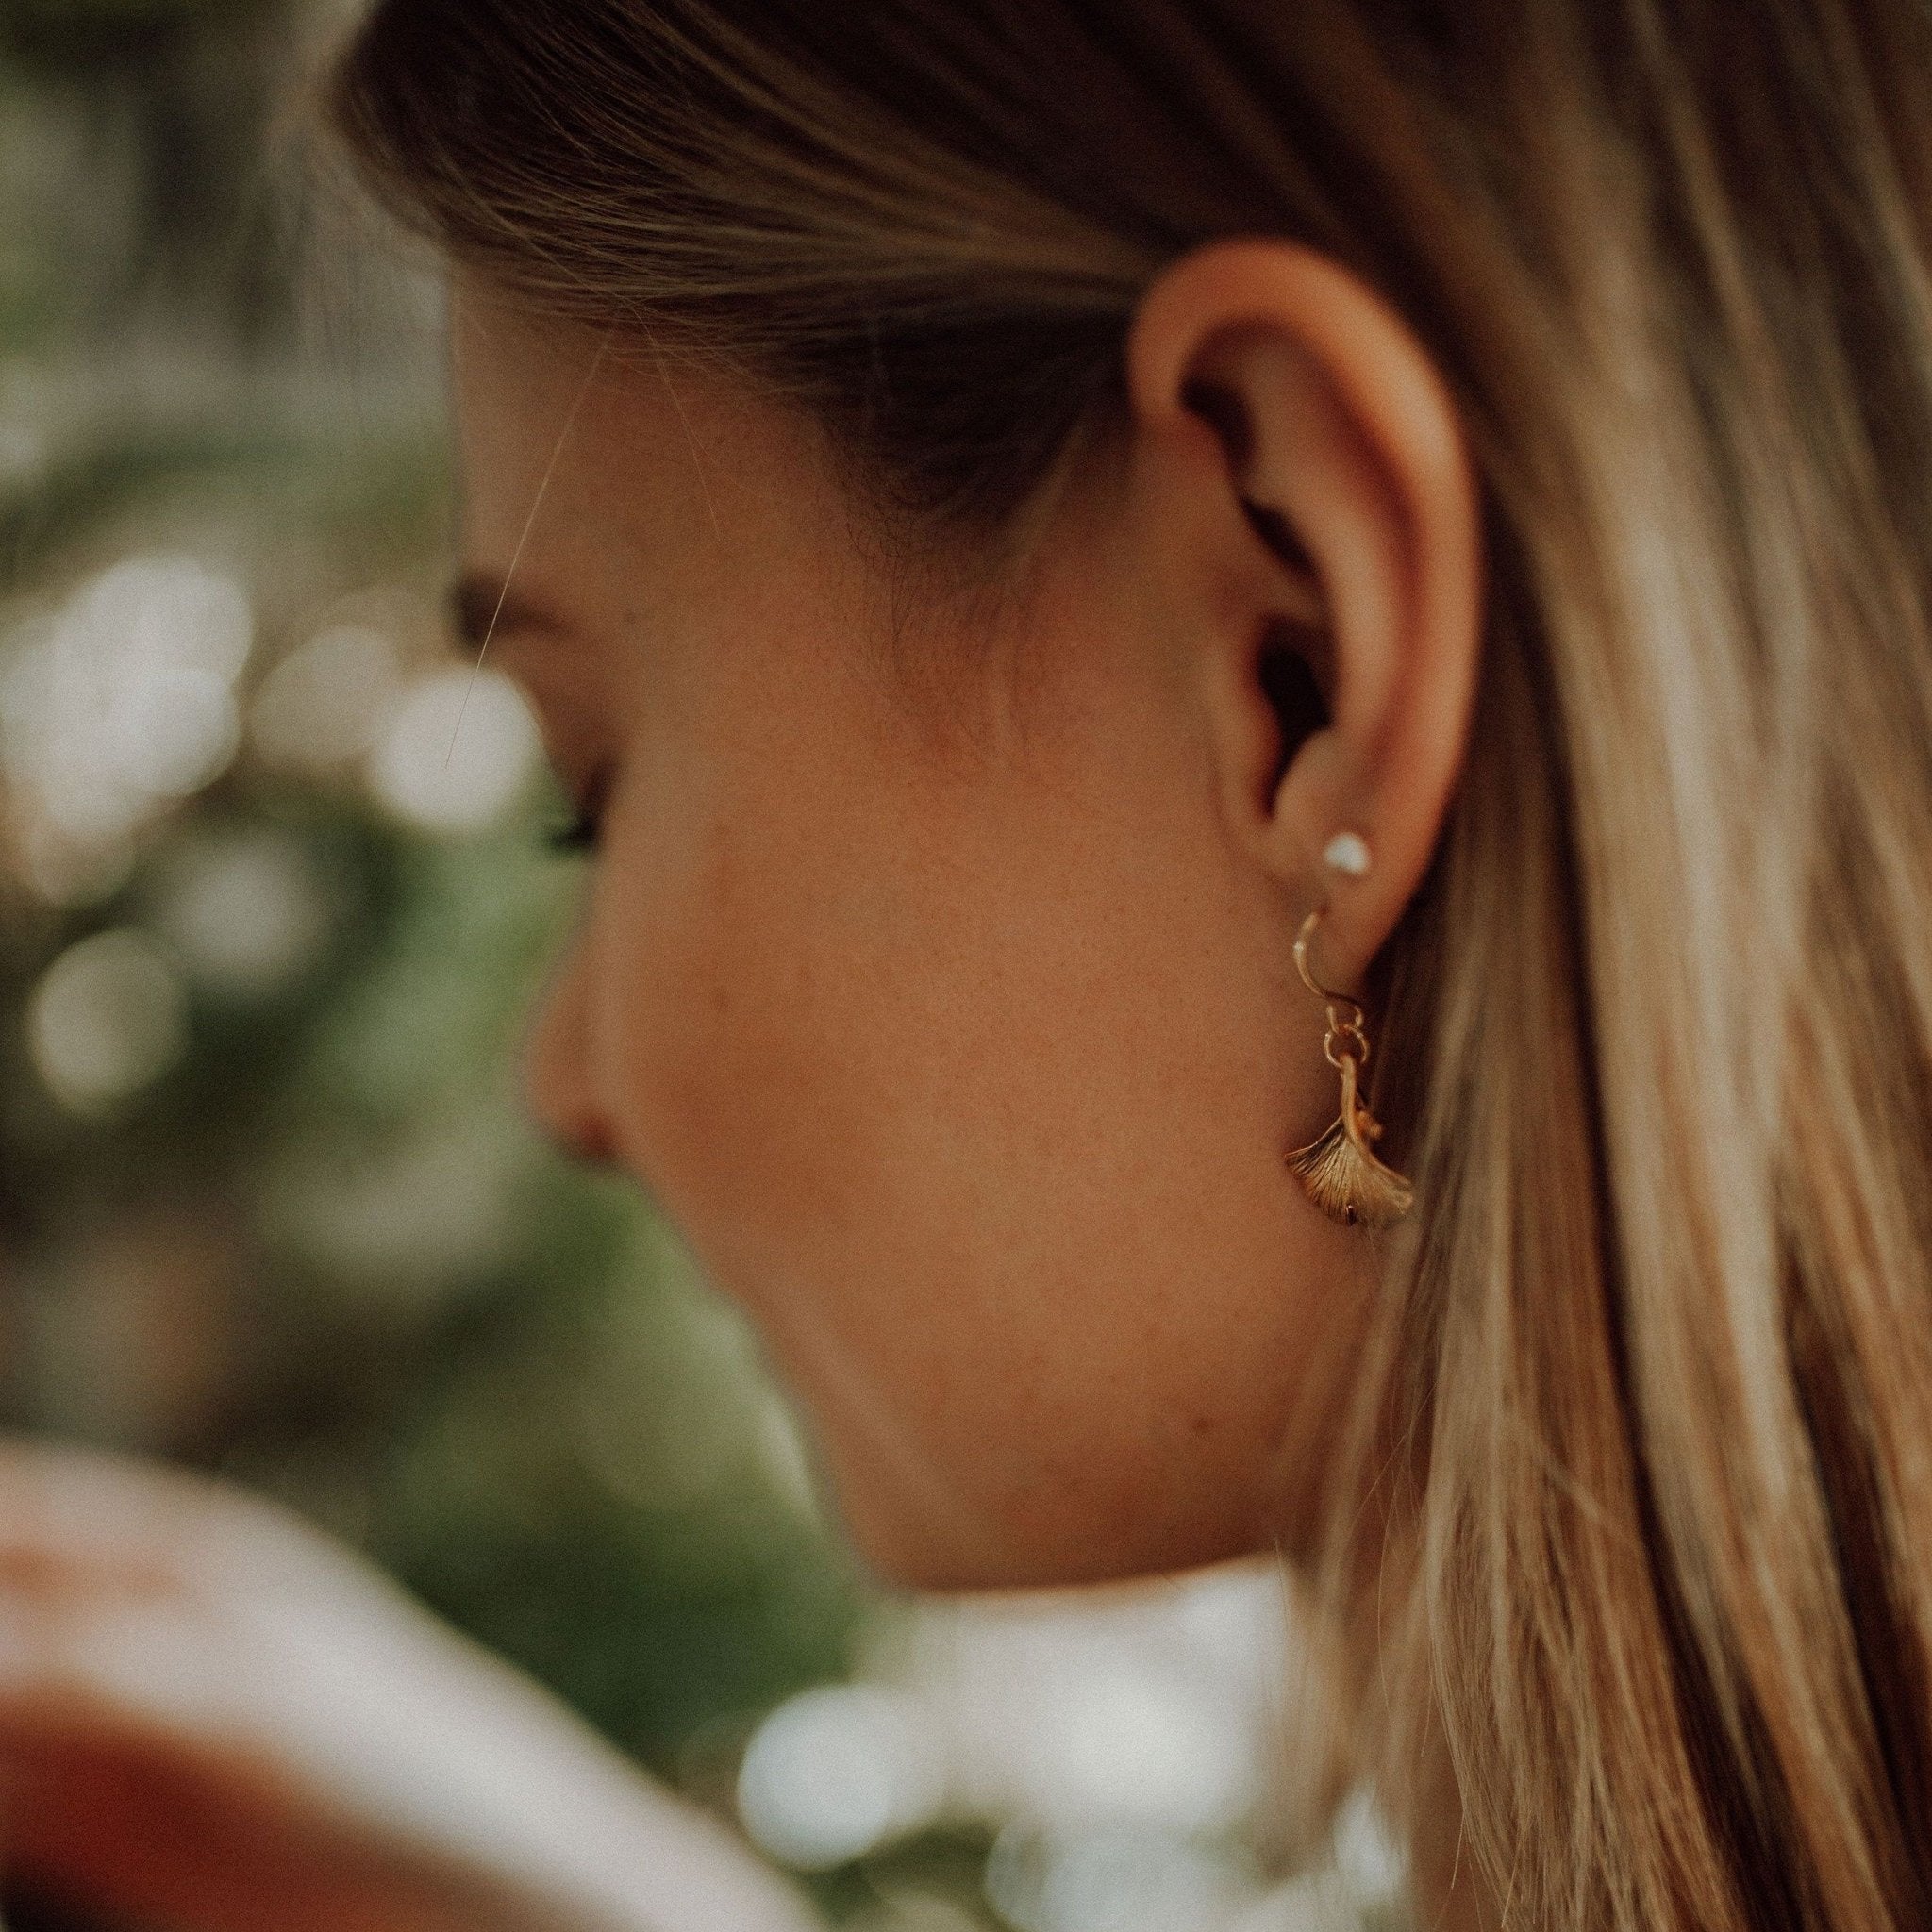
<point x="1347" y="853"/>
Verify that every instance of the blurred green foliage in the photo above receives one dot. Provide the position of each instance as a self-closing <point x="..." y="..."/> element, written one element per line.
<point x="318" y="1249"/>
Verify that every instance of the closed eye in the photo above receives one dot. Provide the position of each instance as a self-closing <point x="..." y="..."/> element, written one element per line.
<point x="577" y="833"/>
<point x="580" y="831"/>
<point x="485" y="609"/>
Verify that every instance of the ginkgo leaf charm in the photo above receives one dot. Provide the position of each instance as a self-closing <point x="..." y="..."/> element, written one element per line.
<point x="1340" y="1172"/>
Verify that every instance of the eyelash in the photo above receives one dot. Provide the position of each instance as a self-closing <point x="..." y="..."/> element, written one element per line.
<point x="579" y="832"/>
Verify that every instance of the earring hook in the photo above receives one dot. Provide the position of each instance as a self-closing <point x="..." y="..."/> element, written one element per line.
<point x="1340" y="1172"/>
<point x="1306" y="972"/>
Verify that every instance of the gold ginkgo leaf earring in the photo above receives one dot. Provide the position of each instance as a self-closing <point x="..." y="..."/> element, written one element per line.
<point x="1340" y="1173"/>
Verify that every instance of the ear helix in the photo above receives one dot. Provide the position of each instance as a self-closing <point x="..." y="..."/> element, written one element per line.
<point x="1340" y="1172"/>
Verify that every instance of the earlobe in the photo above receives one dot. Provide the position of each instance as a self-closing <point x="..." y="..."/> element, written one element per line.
<point x="1348" y="512"/>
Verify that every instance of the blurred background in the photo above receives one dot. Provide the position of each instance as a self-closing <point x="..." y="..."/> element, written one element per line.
<point x="268" y="1206"/>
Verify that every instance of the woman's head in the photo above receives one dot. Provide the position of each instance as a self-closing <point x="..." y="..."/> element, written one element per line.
<point x="986" y="491"/>
<point x="952" y="1024"/>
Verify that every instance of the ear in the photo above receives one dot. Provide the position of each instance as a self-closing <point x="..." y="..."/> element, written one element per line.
<point x="1315" y="497"/>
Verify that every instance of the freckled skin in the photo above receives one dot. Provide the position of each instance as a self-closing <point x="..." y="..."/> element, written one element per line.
<point x="962" y="1047"/>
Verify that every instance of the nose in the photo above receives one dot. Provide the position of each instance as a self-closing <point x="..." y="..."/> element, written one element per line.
<point x="558" y="1079"/>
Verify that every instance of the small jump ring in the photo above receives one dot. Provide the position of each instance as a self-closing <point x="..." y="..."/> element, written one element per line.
<point x="1357" y="1052"/>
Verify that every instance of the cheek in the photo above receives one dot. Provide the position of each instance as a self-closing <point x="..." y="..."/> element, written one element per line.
<point x="933" y="1082"/>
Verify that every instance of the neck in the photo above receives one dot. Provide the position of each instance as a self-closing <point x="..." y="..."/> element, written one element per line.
<point x="1448" y="1893"/>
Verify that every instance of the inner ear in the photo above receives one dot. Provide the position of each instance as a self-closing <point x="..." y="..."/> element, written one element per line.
<point x="1294" y="657"/>
<point x="1227" y="415"/>
<point x="1287" y="674"/>
<point x="1276" y="532"/>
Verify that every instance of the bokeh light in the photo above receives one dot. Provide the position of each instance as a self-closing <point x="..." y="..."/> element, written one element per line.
<point x="456" y="750"/>
<point x="1115" y="1880"/>
<point x="123" y="701"/>
<point x="324" y="703"/>
<point x="245" y="910"/>
<point x="108" y="1018"/>
<point x="837" y="1772"/>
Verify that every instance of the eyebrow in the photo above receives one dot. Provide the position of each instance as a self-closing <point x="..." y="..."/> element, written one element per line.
<point x="483" y="607"/>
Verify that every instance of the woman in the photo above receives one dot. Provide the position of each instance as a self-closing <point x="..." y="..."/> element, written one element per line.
<point x="1051" y="544"/>
<point x="1121" y="586"/>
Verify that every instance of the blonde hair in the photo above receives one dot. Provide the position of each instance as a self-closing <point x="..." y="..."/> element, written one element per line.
<point x="1659" y="1356"/>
